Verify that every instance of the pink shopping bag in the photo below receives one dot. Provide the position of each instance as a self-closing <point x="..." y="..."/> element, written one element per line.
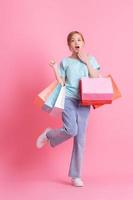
<point x="96" y="90"/>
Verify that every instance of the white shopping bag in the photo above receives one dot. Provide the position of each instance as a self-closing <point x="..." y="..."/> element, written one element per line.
<point x="59" y="104"/>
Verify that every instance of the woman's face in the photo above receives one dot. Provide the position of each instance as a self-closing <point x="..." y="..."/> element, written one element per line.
<point x="76" y="43"/>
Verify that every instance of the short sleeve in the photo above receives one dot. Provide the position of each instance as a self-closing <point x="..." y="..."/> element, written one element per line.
<point x="61" y="69"/>
<point x="94" y="63"/>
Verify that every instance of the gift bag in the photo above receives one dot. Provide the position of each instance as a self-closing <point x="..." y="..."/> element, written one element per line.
<point x="116" y="93"/>
<point x="43" y="95"/>
<point x="51" y="100"/>
<point x="96" y="90"/>
<point x="59" y="104"/>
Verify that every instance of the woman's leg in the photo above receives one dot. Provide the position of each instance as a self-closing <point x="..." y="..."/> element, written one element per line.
<point x="79" y="142"/>
<point x="69" y="129"/>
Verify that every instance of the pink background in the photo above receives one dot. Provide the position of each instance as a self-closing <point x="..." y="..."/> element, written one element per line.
<point x="32" y="32"/>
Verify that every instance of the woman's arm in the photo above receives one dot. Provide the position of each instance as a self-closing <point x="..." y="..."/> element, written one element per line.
<point x="60" y="79"/>
<point x="94" y="73"/>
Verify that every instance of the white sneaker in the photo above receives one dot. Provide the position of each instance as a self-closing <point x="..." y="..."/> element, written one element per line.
<point x="76" y="181"/>
<point x="42" y="139"/>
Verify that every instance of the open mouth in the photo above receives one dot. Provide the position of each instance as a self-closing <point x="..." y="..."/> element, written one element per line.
<point x="77" y="47"/>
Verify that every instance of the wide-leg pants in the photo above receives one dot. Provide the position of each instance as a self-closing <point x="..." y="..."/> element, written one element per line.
<point x="75" y="118"/>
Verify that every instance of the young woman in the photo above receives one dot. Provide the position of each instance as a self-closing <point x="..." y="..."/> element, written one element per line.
<point x="74" y="116"/>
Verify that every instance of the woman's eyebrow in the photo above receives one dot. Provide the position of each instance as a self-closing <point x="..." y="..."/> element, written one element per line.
<point x="74" y="38"/>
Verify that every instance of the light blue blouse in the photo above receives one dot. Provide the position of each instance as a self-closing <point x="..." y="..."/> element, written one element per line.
<point x="73" y="70"/>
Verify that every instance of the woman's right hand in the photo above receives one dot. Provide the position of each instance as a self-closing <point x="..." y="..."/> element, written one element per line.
<point x="53" y="64"/>
<point x="61" y="82"/>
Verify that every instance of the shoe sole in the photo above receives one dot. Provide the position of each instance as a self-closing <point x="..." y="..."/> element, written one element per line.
<point x="76" y="185"/>
<point x="39" y="137"/>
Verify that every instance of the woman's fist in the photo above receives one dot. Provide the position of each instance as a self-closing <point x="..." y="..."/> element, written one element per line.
<point x="53" y="64"/>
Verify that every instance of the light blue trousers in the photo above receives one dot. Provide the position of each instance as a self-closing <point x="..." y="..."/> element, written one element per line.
<point x="75" y="118"/>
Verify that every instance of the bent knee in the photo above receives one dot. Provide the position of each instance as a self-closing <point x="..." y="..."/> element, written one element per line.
<point x="71" y="131"/>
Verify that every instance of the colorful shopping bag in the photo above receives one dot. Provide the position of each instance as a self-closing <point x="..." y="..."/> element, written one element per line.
<point x="43" y="95"/>
<point x="60" y="99"/>
<point x="116" y="94"/>
<point x="51" y="100"/>
<point x="96" y="90"/>
<point x="59" y="104"/>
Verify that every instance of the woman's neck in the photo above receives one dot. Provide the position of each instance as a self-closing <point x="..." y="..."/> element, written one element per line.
<point x="74" y="56"/>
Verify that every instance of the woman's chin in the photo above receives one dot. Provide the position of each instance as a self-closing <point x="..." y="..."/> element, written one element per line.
<point x="77" y="51"/>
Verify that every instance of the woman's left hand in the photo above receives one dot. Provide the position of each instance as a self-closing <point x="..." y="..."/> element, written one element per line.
<point x="83" y="56"/>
